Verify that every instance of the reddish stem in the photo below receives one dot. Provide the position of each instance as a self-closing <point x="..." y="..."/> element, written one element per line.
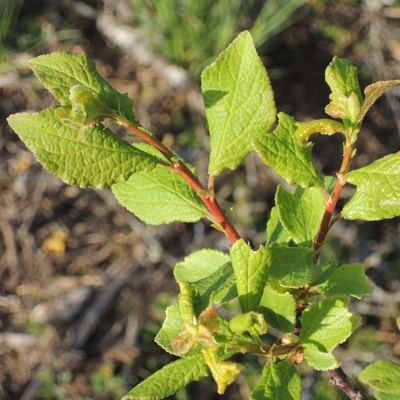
<point x="208" y="198"/>
<point x="332" y="200"/>
<point x="338" y="378"/>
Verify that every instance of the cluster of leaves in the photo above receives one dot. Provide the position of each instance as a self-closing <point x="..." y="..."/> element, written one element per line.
<point x="283" y="284"/>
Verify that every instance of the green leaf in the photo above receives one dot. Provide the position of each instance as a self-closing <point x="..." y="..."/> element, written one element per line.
<point x="281" y="152"/>
<point x="341" y="76"/>
<point x="324" y="326"/>
<point x="160" y="196"/>
<point x="279" y="381"/>
<point x="348" y="280"/>
<point x="346" y="98"/>
<point x="279" y="310"/>
<point x="239" y="103"/>
<point x="218" y="287"/>
<point x="301" y="212"/>
<point x="363" y="207"/>
<point x="373" y="92"/>
<point x="200" y="265"/>
<point x="60" y="72"/>
<point x="169" y="379"/>
<point x="379" y="180"/>
<point x="210" y="273"/>
<point x="386" y="396"/>
<point x="251" y="271"/>
<point x="320" y="360"/>
<point x="378" y="190"/>
<point x="327" y="271"/>
<point x="384" y="376"/>
<point x="79" y="155"/>
<point x="292" y="266"/>
<point x="275" y="230"/>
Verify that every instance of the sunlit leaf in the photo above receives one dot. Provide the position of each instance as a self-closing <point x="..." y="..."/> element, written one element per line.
<point x="281" y="151"/>
<point x="239" y="103"/>
<point x="80" y="155"/>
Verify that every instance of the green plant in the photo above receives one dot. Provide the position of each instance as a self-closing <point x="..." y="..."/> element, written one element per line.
<point x="191" y="33"/>
<point x="285" y="283"/>
<point x="54" y="386"/>
<point x="8" y="11"/>
<point x="106" y="382"/>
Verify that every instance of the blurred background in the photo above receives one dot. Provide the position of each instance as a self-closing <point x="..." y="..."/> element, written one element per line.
<point x="83" y="283"/>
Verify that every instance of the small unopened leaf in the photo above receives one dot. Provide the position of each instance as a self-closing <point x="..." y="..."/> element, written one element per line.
<point x="281" y="152"/>
<point x="60" y="72"/>
<point x="279" y="381"/>
<point x="86" y="107"/>
<point x="239" y="103"/>
<point x="348" y="280"/>
<point x="279" y="310"/>
<point x="341" y="76"/>
<point x="344" y="107"/>
<point x="169" y="379"/>
<point x="251" y="322"/>
<point x="292" y="266"/>
<point x="251" y="271"/>
<point x="300" y="212"/>
<point x="323" y="126"/>
<point x="346" y="98"/>
<point x="324" y="326"/>
<point x="79" y="155"/>
<point x="160" y="197"/>
<point x="185" y="301"/>
<point x="384" y="376"/>
<point x="378" y="190"/>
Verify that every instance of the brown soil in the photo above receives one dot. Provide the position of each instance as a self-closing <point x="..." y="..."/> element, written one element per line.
<point x="83" y="283"/>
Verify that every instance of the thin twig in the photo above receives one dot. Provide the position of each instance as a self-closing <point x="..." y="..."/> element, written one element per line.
<point x="331" y="202"/>
<point x="339" y="379"/>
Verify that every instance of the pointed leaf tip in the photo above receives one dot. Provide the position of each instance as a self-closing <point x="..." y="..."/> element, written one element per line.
<point x="169" y="379"/>
<point x="251" y="271"/>
<point x="79" y="155"/>
<point x="239" y="103"/>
